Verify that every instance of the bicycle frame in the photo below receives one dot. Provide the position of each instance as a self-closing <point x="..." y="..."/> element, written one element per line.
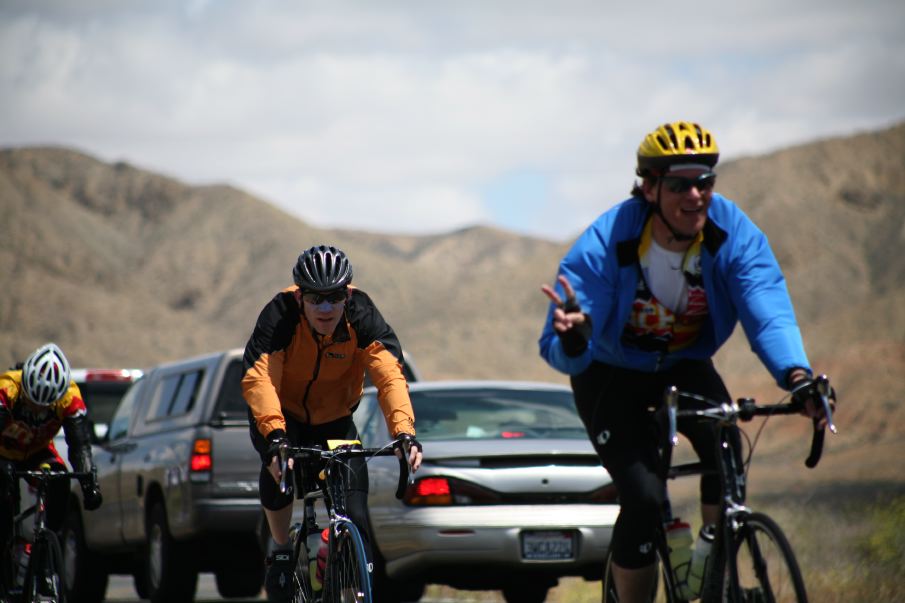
<point x="42" y="563"/>
<point x="734" y="514"/>
<point x="331" y="485"/>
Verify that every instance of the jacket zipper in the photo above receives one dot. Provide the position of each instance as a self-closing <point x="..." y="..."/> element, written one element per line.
<point x="317" y="370"/>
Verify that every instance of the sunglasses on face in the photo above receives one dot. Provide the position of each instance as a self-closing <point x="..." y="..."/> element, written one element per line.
<point x="680" y="184"/>
<point x="332" y="298"/>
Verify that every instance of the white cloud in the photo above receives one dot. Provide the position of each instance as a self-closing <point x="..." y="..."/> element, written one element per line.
<point x="401" y="112"/>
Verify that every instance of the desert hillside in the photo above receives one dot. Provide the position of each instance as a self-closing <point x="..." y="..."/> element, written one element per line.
<point x="123" y="267"/>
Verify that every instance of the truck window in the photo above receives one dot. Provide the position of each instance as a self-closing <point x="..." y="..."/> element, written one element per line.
<point x="119" y="424"/>
<point x="175" y="395"/>
<point x="230" y="402"/>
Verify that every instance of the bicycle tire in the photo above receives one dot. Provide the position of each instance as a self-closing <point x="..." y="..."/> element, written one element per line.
<point x="765" y="565"/>
<point x="663" y="587"/>
<point x="43" y="576"/>
<point x="348" y="578"/>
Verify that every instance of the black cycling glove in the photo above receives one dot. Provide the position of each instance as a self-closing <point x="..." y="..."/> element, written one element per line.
<point x="406" y="438"/>
<point x="575" y="340"/>
<point x="91" y="492"/>
<point x="275" y="439"/>
<point x="806" y="389"/>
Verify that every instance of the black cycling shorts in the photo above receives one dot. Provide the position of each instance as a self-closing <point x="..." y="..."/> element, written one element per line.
<point x="616" y="405"/>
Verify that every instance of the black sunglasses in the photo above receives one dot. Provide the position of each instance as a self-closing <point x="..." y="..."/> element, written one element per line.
<point x="334" y="297"/>
<point x="680" y="184"/>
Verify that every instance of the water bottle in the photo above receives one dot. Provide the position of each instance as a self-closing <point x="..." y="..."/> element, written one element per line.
<point x="679" y="540"/>
<point x="23" y="552"/>
<point x="314" y="544"/>
<point x="700" y="557"/>
<point x="318" y="563"/>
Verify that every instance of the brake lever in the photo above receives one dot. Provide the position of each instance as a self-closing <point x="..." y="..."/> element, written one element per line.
<point x="285" y="486"/>
<point x="406" y="474"/>
<point x="823" y="390"/>
<point x="672" y="404"/>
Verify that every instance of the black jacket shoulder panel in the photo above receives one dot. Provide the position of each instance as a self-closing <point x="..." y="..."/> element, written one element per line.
<point x="274" y="329"/>
<point x="369" y="324"/>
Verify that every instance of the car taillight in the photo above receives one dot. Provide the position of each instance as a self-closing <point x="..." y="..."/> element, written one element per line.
<point x="109" y="375"/>
<point x="429" y="491"/>
<point x="201" y="461"/>
<point x="439" y="491"/>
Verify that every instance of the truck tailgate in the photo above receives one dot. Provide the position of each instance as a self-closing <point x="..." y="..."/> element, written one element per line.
<point x="236" y="465"/>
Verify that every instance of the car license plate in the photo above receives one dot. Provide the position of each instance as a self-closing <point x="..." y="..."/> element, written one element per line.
<point x="549" y="545"/>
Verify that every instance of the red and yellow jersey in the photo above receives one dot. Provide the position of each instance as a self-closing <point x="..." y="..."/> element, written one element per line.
<point x="652" y="325"/>
<point x="290" y="369"/>
<point x="26" y="428"/>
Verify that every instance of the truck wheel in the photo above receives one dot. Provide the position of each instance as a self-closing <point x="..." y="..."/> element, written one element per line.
<point x="84" y="572"/>
<point x="172" y="575"/>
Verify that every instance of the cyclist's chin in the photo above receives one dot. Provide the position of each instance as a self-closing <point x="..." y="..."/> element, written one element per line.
<point x="690" y="224"/>
<point x="325" y="326"/>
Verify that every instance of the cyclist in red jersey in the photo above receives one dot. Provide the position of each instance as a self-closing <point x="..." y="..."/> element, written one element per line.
<point x="35" y="402"/>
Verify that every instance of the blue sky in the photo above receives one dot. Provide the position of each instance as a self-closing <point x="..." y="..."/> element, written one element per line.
<point x="424" y="117"/>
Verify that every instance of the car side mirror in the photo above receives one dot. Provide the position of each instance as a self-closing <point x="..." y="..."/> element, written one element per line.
<point x="99" y="432"/>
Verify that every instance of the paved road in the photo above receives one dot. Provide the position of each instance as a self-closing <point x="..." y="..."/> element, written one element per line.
<point x="120" y="590"/>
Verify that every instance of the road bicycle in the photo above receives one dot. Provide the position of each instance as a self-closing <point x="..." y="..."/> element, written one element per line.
<point x="751" y="560"/>
<point x="324" y="475"/>
<point x="44" y="573"/>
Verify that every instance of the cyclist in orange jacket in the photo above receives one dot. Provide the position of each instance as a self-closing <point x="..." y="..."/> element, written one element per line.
<point x="304" y="372"/>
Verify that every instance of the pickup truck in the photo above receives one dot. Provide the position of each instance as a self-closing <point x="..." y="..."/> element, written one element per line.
<point x="179" y="478"/>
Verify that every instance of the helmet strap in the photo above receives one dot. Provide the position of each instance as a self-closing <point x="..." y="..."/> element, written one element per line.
<point x="658" y="209"/>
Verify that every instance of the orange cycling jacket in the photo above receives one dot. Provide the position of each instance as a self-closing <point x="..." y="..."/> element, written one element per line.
<point x="26" y="429"/>
<point x="316" y="379"/>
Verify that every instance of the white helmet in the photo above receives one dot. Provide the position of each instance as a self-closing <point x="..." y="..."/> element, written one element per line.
<point x="45" y="375"/>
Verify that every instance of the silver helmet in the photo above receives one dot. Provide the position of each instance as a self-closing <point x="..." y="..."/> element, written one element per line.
<point x="45" y="375"/>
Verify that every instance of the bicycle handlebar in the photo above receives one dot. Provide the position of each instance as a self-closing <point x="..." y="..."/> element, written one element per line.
<point x="50" y="474"/>
<point x="746" y="409"/>
<point x="406" y="475"/>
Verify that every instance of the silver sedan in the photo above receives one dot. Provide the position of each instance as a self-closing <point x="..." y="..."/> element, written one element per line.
<point x="511" y="495"/>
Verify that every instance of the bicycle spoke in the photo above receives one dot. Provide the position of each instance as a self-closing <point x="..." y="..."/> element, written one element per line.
<point x="302" y="590"/>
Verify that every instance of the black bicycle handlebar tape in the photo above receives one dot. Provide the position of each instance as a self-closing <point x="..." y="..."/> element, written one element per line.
<point x="816" y="446"/>
<point x="286" y="484"/>
<point x="403" y="478"/>
<point x="406" y="448"/>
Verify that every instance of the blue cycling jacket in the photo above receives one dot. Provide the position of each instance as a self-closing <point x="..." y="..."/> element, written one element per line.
<point x="742" y="280"/>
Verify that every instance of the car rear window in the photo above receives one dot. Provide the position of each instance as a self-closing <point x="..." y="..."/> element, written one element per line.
<point x="489" y="414"/>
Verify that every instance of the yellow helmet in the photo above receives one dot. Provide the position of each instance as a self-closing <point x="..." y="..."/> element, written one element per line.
<point x="675" y="143"/>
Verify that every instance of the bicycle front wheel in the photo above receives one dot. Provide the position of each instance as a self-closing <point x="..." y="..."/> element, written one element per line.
<point x="348" y="578"/>
<point x="43" y="577"/>
<point x="765" y="565"/>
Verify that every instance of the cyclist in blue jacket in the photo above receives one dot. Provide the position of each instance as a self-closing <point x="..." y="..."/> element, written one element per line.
<point x="644" y="299"/>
